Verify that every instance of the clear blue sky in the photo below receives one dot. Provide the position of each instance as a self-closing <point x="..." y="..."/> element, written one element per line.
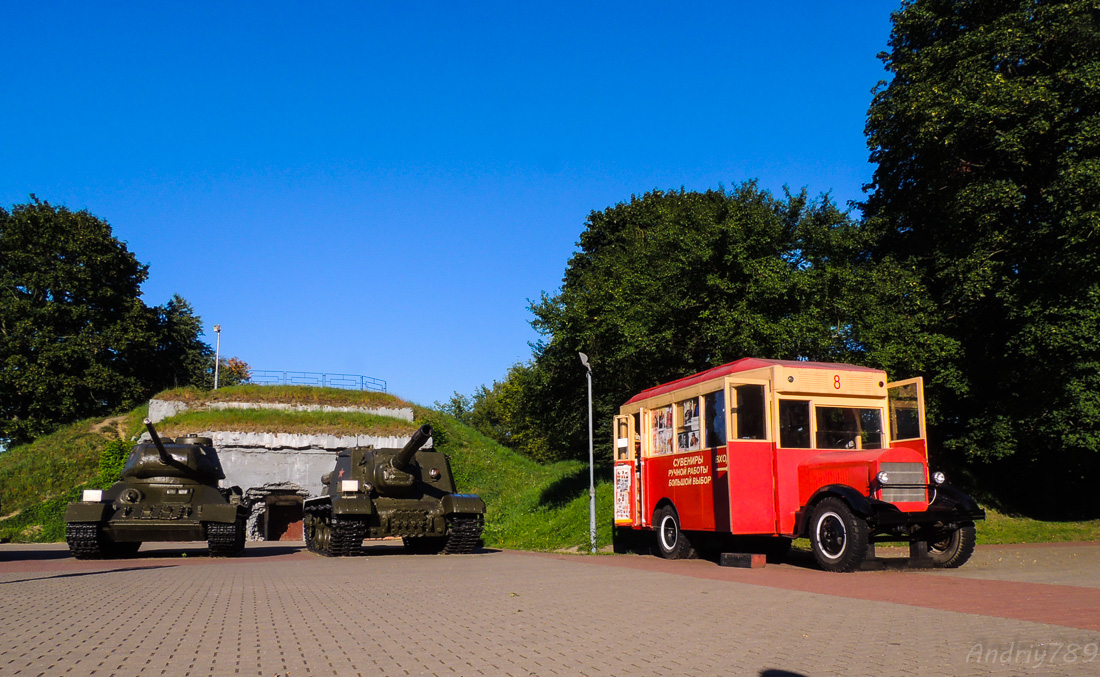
<point x="380" y="188"/>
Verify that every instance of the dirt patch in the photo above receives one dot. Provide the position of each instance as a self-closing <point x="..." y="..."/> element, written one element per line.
<point x="115" y="425"/>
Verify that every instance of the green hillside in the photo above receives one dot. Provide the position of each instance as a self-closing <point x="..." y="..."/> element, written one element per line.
<point x="530" y="506"/>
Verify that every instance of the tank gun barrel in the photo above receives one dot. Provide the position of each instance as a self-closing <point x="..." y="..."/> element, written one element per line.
<point x="165" y="458"/>
<point x="405" y="456"/>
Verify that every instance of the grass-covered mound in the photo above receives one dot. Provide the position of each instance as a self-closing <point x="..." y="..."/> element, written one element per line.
<point x="334" y="397"/>
<point x="39" y="479"/>
<point x="295" y="422"/>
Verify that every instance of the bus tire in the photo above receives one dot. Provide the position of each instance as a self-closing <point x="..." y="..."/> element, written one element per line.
<point x="838" y="536"/>
<point x="672" y="542"/>
<point x="954" y="549"/>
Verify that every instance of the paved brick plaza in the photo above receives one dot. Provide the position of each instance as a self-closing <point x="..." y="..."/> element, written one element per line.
<point x="281" y="611"/>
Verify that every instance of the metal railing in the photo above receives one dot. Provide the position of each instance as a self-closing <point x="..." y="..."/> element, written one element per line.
<point x="318" y="379"/>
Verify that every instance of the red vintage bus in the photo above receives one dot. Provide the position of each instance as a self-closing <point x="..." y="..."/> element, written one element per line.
<point x="787" y="449"/>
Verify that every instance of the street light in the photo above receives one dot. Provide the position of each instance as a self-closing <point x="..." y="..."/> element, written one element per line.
<point x="591" y="462"/>
<point x="217" y="353"/>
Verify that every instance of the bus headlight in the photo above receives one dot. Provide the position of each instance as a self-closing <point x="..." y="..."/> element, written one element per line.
<point x="883" y="477"/>
<point x="938" y="477"/>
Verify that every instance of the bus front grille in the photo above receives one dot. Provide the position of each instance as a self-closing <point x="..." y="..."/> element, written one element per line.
<point x="905" y="474"/>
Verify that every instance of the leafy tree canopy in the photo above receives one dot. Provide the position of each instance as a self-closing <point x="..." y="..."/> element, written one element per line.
<point x="676" y="282"/>
<point x="75" y="338"/>
<point x="987" y="144"/>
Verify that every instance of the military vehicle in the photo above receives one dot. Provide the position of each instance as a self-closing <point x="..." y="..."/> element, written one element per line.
<point x="408" y="492"/>
<point x="169" y="492"/>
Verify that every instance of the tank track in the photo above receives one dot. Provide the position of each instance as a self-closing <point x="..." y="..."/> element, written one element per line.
<point x="84" y="540"/>
<point x="347" y="536"/>
<point x="465" y="534"/>
<point x="334" y="536"/>
<point x="225" y="540"/>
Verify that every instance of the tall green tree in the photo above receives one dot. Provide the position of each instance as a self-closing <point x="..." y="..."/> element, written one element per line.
<point x="675" y="282"/>
<point x="75" y="338"/>
<point x="987" y="144"/>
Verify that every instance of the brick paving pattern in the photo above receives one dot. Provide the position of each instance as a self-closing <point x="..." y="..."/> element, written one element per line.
<point x="282" y="611"/>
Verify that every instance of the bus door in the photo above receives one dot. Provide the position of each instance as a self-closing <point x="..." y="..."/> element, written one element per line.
<point x="906" y="399"/>
<point x="627" y="459"/>
<point x="751" y="462"/>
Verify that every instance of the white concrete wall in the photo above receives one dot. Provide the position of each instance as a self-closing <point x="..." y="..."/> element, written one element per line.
<point x="162" y="409"/>
<point x="251" y="467"/>
<point x="258" y="459"/>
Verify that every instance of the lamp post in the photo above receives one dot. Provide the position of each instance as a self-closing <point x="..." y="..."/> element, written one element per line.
<point x="591" y="461"/>
<point x="217" y="353"/>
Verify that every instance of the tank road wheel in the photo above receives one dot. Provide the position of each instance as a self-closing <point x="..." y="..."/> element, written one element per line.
<point x="672" y="543"/>
<point x="225" y="540"/>
<point x="318" y="531"/>
<point x="86" y="541"/>
<point x="838" y="536"/>
<point x="954" y="549"/>
<point x="322" y="539"/>
<point x="463" y="534"/>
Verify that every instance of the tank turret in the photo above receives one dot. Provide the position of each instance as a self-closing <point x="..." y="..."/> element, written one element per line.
<point x="189" y="459"/>
<point x="408" y="492"/>
<point x="169" y="492"/>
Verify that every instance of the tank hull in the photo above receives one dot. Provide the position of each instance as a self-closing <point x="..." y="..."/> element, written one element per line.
<point x="386" y="493"/>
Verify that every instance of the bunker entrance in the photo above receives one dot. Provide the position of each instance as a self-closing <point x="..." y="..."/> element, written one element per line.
<point x="284" y="518"/>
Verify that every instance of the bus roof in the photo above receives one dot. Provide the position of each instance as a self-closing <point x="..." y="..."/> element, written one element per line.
<point x="744" y="364"/>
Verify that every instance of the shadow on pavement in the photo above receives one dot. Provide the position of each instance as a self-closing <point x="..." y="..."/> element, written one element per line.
<point x="395" y="548"/>
<point x="76" y="574"/>
<point x="10" y="554"/>
<point x="780" y="673"/>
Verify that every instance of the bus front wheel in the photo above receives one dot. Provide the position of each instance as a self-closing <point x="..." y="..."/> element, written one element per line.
<point x="672" y="543"/>
<point x="954" y="549"/>
<point x="838" y="536"/>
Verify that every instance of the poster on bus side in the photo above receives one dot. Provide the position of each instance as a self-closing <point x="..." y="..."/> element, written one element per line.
<point x="662" y="430"/>
<point x="622" y="493"/>
<point x="688" y="437"/>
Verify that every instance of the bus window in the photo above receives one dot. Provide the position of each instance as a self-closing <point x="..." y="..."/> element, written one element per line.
<point x="687" y="435"/>
<point x="714" y="418"/>
<point x="622" y="444"/>
<point x="637" y="434"/>
<point x="848" y="428"/>
<point x="749" y="415"/>
<point x="905" y="412"/>
<point x="662" y="430"/>
<point x="794" y="424"/>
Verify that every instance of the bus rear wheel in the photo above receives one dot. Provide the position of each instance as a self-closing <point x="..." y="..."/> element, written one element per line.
<point x="838" y="536"/>
<point x="954" y="549"/>
<point x="672" y="543"/>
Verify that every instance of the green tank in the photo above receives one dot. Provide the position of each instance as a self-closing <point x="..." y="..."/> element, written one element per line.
<point x="169" y="492"/>
<point x="408" y="492"/>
